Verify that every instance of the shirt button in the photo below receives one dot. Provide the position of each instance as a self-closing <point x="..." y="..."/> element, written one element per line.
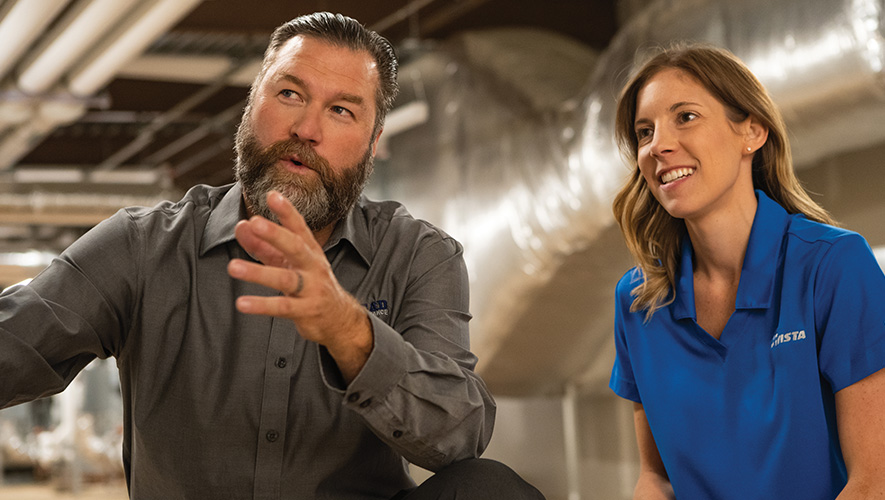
<point x="281" y="362"/>
<point x="397" y="434"/>
<point x="353" y="398"/>
<point x="272" y="435"/>
<point x="366" y="403"/>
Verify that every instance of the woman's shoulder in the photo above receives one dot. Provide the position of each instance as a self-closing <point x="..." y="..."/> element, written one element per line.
<point x="630" y="280"/>
<point x="811" y="231"/>
<point x="810" y="240"/>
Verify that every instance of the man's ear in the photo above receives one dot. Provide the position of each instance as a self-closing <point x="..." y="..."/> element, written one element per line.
<point x="375" y="141"/>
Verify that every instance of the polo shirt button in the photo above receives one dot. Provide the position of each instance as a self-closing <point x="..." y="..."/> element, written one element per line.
<point x="353" y="398"/>
<point x="397" y="434"/>
<point x="272" y="435"/>
<point x="366" y="403"/>
<point x="281" y="362"/>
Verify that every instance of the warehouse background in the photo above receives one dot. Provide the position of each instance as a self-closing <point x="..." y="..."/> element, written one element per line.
<point x="502" y="136"/>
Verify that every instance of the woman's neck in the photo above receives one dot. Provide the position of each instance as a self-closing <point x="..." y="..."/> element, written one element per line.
<point x="720" y="239"/>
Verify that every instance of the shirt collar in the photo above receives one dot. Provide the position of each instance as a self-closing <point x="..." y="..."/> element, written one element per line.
<point x="760" y="262"/>
<point x="354" y="228"/>
<point x="223" y="219"/>
<point x="231" y="209"/>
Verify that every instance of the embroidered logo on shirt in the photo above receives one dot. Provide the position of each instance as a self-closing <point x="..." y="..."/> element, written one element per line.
<point x="783" y="338"/>
<point x="378" y="308"/>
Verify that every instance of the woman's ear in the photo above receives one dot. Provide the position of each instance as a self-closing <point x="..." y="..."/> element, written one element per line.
<point x="755" y="134"/>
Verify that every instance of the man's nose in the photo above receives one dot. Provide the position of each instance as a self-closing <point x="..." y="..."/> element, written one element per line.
<point x="307" y="125"/>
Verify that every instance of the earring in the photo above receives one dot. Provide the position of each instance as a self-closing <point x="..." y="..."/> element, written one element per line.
<point x="749" y="149"/>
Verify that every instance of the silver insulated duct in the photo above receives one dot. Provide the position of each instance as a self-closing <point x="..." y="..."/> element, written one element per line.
<point x="512" y="152"/>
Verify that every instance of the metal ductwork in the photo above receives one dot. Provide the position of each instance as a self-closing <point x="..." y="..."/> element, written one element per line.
<point x="516" y="159"/>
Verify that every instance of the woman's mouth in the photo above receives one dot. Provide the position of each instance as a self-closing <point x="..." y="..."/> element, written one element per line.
<point x="676" y="174"/>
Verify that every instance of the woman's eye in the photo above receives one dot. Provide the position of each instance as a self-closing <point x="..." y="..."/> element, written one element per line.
<point x="643" y="133"/>
<point x="687" y="116"/>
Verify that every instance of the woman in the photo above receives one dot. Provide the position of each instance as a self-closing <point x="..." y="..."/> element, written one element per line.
<point x="751" y="334"/>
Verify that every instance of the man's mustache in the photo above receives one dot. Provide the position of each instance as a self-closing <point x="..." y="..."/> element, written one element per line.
<point x="289" y="148"/>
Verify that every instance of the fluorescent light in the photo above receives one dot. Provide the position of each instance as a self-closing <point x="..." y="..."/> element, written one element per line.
<point x="82" y="28"/>
<point x="405" y="117"/>
<point x="129" y="40"/>
<point x="22" y="25"/>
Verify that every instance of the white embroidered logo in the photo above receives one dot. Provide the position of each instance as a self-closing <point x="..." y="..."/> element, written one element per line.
<point x="783" y="338"/>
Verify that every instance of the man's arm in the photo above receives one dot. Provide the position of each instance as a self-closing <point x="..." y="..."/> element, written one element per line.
<point x="68" y="315"/>
<point x="415" y="385"/>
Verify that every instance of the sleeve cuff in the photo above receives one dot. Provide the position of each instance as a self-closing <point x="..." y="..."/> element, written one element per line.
<point x="382" y="371"/>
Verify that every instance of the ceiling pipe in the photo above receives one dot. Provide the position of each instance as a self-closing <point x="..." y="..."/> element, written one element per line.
<point x="206" y="127"/>
<point x="21" y="25"/>
<point x="80" y="28"/>
<point x="48" y="115"/>
<point x="409" y="10"/>
<point x="130" y="38"/>
<point x="142" y="26"/>
<point x="146" y="136"/>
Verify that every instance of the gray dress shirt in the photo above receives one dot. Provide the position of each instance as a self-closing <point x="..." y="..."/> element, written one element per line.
<point x="219" y="404"/>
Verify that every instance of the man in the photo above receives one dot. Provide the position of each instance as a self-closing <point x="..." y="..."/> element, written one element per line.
<point x="348" y="347"/>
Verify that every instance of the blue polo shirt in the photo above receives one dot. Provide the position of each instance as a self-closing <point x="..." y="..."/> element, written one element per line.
<point x="752" y="415"/>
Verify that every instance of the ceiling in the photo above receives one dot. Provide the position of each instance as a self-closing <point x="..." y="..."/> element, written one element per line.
<point x="164" y="119"/>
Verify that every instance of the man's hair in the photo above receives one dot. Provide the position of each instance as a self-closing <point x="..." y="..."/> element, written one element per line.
<point x="341" y="31"/>
<point x="653" y="236"/>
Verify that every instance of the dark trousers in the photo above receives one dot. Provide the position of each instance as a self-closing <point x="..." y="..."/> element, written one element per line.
<point x="474" y="479"/>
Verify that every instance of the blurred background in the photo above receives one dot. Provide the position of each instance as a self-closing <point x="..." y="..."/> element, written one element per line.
<point x="502" y="136"/>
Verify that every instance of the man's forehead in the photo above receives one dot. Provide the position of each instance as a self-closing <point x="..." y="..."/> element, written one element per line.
<point x="308" y="45"/>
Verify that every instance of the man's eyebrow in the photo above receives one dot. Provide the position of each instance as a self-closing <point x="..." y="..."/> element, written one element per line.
<point x="344" y="96"/>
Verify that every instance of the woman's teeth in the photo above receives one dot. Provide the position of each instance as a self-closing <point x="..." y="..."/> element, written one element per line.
<point x="676" y="174"/>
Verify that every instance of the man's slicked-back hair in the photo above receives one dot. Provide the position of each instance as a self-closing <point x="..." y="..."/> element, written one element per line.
<point x="342" y="31"/>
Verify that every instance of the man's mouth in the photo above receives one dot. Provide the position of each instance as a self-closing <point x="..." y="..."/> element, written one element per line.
<point x="296" y="162"/>
<point x="676" y="174"/>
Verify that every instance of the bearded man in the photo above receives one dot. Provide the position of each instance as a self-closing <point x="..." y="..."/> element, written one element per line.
<point x="346" y="353"/>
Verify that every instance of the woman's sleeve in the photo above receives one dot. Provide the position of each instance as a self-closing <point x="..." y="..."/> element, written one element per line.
<point x="849" y="303"/>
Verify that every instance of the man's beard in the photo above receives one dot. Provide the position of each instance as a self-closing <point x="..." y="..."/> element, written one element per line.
<point x="322" y="199"/>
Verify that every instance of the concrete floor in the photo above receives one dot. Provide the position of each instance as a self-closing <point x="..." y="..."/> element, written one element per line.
<point x="49" y="492"/>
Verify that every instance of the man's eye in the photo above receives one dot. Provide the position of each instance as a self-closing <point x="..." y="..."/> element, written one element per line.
<point x="338" y="110"/>
<point x="287" y="93"/>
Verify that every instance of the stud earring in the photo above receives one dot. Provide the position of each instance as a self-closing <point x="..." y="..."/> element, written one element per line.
<point x="749" y="149"/>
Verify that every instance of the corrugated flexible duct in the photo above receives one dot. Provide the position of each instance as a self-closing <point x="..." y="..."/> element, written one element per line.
<point x="517" y="159"/>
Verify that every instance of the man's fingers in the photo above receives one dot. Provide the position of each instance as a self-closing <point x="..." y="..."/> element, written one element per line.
<point x="256" y="246"/>
<point x="290" y="282"/>
<point x="290" y="218"/>
<point x="279" y="306"/>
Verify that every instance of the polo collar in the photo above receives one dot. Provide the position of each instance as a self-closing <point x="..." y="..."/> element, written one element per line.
<point x="760" y="262"/>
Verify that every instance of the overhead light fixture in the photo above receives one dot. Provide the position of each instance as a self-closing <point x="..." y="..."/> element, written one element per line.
<point x="406" y="117"/>
<point x="129" y="40"/>
<point x="81" y="27"/>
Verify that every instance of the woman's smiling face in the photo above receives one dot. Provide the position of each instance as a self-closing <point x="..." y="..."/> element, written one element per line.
<point x="692" y="155"/>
